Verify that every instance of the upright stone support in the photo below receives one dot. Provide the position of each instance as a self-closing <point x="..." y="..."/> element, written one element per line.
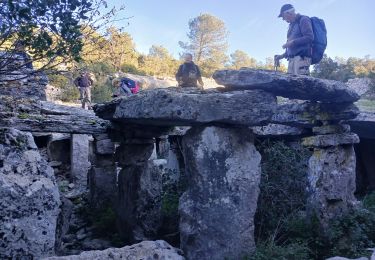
<point x="217" y="210"/>
<point x="331" y="173"/>
<point x="79" y="160"/>
<point x="103" y="173"/>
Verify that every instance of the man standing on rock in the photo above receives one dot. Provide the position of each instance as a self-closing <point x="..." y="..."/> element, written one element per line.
<point x="298" y="48"/>
<point x="189" y="74"/>
<point x="84" y="83"/>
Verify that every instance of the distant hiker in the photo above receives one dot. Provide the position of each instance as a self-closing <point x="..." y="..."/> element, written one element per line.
<point x="188" y="74"/>
<point x="84" y="82"/>
<point x="306" y="41"/>
<point x="125" y="87"/>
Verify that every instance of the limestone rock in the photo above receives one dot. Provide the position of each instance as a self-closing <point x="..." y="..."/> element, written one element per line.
<point x="146" y="250"/>
<point x="359" y="85"/>
<point x="364" y="125"/>
<point x="331" y="129"/>
<point x="286" y="85"/>
<point x="275" y="130"/>
<point x="331" y="177"/>
<point x="217" y="210"/>
<point x="105" y="146"/>
<point x="310" y="114"/>
<point x="19" y="81"/>
<point x="331" y="140"/>
<point x="140" y="195"/>
<point x="184" y="107"/>
<point x="344" y="258"/>
<point x="103" y="186"/>
<point x="42" y="116"/>
<point x="29" y="199"/>
<point x="58" y="148"/>
<point x="79" y="160"/>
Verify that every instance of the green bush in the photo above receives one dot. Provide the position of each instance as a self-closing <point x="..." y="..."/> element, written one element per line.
<point x="282" y="188"/>
<point x="284" y="231"/>
<point x="293" y="251"/>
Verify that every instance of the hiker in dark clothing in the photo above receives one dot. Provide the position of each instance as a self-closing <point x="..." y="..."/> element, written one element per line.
<point x="188" y="74"/>
<point x="84" y="82"/>
<point x="299" y="41"/>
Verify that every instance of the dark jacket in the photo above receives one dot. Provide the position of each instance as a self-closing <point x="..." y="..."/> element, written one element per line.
<point x="183" y="78"/>
<point x="302" y="35"/>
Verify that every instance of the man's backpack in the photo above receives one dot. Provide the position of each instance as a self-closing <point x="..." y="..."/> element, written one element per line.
<point x="84" y="82"/>
<point x="320" y="39"/>
<point x="190" y="73"/>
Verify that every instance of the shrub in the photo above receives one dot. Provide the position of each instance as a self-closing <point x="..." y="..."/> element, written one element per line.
<point x="282" y="188"/>
<point x="283" y="230"/>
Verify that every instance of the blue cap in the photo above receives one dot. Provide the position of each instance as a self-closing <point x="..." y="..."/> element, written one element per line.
<point x="285" y="8"/>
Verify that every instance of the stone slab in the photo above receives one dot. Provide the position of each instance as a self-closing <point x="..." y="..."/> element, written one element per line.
<point x="181" y="107"/>
<point x="287" y="85"/>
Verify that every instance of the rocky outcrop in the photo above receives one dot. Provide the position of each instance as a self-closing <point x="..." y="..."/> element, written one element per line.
<point x="19" y="81"/>
<point x="286" y="85"/>
<point x="145" y="250"/>
<point x="364" y="125"/>
<point x="275" y="130"/>
<point x="29" y="199"/>
<point x="174" y="107"/>
<point x="331" y="140"/>
<point x="217" y="210"/>
<point x="310" y="114"/>
<point x="360" y="85"/>
<point x="42" y="116"/>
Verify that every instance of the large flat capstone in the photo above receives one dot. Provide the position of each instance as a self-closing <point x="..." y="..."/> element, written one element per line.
<point x="287" y="85"/>
<point x="174" y="107"/>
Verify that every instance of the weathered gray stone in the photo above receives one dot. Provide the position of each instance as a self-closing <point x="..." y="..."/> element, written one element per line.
<point x="331" y="177"/>
<point x="103" y="186"/>
<point x="274" y="130"/>
<point x="309" y="114"/>
<point x="58" y="148"/>
<point x="132" y="154"/>
<point x="344" y="258"/>
<point x="105" y="146"/>
<point x="79" y="160"/>
<point x="29" y="199"/>
<point x="140" y="195"/>
<point x="176" y="106"/>
<point x="19" y="81"/>
<point x="330" y="140"/>
<point x="364" y="125"/>
<point x="331" y="129"/>
<point x="146" y="250"/>
<point x="217" y="210"/>
<point x="41" y="116"/>
<point x="286" y="85"/>
<point x="359" y="85"/>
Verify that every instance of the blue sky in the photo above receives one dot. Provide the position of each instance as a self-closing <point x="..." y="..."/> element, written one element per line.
<point x="253" y="24"/>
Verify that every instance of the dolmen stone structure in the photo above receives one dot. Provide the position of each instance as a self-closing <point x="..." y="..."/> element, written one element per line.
<point x="221" y="162"/>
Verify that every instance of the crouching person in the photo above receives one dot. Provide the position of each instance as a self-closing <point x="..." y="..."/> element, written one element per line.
<point x="125" y="87"/>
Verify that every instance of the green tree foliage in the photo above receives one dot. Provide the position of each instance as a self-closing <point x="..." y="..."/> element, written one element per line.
<point x="46" y="29"/>
<point x="207" y="42"/>
<point x="158" y="62"/>
<point x="119" y="49"/>
<point x="342" y="69"/>
<point x="242" y="59"/>
<point x="283" y="228"/>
